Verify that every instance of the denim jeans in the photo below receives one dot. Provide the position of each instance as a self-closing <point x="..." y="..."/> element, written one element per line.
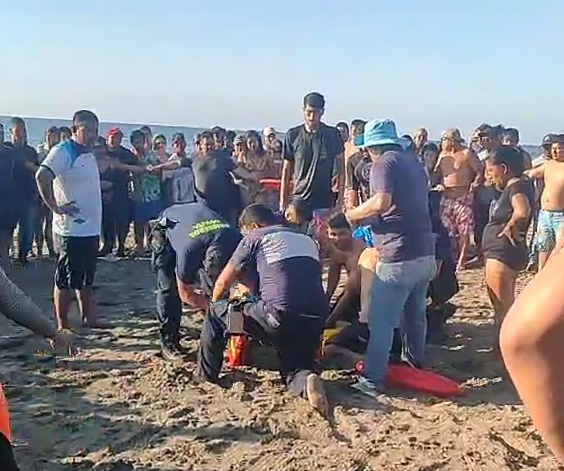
<point x="26" y="228"/>
<point x="398" y="298"/>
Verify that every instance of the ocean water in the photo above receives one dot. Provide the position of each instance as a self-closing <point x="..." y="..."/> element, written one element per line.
<point x="36" y="128"/>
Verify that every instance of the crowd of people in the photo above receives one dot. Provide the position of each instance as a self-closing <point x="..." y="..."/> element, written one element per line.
<point x="401" y="216"/>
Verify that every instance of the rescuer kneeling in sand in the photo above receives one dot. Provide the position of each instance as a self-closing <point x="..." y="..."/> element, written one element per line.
<point x="291" y="310"/>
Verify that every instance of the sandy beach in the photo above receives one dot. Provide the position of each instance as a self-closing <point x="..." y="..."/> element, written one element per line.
<point x="117" y="406"/>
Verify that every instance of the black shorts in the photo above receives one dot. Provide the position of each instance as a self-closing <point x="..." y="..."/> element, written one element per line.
<point x="76" y="265"/>
<point x="353" y="337"/>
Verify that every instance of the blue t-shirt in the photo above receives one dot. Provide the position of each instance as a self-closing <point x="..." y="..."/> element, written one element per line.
<point x="202" y="240"/>
<point x="287" y="263"/>
<point x="403" y="232"/>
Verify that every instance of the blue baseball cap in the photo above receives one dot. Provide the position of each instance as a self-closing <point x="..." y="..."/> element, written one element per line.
<point x="380" y="132"/>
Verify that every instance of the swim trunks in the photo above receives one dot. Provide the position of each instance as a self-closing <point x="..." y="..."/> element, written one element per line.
<point x="457" y="215"/>
<point x="550" y="224"/>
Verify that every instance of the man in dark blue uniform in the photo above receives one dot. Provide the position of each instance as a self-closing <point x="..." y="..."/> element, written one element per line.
<point x="191" y="245"/>
<point x="289" y="313"/>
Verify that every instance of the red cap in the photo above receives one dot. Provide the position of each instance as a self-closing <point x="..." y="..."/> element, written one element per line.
<point x="114" y="132"/>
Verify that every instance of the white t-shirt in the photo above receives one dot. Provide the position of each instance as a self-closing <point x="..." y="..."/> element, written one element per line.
<point x="77" y="180"/>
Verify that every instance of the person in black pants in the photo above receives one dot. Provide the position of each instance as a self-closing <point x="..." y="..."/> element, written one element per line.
<point x="290" y="313"/>
<point x="191" y="244"/>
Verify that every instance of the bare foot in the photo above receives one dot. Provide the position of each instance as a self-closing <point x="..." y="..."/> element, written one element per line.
<point x="316" y="395"/>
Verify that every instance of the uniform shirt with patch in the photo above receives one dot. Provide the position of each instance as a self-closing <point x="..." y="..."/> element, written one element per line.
<point x="287" y="263"/>
<point x="202" y="240"/>
<point x="77" y="180"/>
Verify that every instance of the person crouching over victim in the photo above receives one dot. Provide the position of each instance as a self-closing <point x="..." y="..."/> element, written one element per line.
<point x="291" y="310"/>
<point x="191" y="244"/>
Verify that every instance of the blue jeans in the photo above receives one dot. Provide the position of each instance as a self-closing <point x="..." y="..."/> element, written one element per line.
<point x="398" y="298"/>
<point x="26" y="227"/>
<point x="550" y="225"/>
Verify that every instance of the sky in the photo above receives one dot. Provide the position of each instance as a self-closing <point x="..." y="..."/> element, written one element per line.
<point x="248" y="63"/>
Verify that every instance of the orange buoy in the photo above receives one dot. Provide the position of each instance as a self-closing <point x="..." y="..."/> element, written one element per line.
<point x="4" y="416"/>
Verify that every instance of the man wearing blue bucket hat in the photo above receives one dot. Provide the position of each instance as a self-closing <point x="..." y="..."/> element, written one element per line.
<point x="398" y="214"/>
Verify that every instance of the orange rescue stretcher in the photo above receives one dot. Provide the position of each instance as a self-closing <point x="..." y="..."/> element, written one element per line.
<point x="4" y="416"/>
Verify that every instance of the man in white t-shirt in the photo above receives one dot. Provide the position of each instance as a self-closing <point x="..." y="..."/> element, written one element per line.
<point x="69" y="183"/>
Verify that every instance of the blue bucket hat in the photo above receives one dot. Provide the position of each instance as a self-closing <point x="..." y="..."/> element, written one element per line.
<point x="380" y="132"/>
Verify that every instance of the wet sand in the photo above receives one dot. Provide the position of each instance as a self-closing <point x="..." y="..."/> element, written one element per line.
<point x="117" y="406"/>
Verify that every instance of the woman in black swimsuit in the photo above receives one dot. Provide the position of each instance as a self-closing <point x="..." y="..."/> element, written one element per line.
<point x="504" y="238"/>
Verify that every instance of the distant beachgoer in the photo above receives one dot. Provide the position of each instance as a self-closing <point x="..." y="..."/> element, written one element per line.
<point x="504" y="243"/>
<point x="352" y="158"/>
<point x="429" y="158"/>
<point x="13" y="174"/>
<point x="44" y="216"/>
<point x="419" y="140"/>
<point x="69" y="183"/>
<point x="147" y="197"/>
<point x="239" y="150"/>
<point x="108" y="235"/>
<point x="123" y="161"/>
<point x="219" y="137"/>
<point x="29" y="205"/>
<point x="191" y="245"/>
<point x="230" y="140"/>
<point x="460" y="173"/>
<point x="177" y="175"/>
<point x="511" y="138"/>
<point x="344" y="132"/>
<point x="269" y="136"/>
<point x="546" y="145"/>
<point x="550" y="230"/>
<point x="398" y="214"/>
<point x="485" y="138"/>
<point x="290" y="311"/>
<point x="148" y="133"/>
<point x="159" y="147"/>
<point x="66" y="133"/>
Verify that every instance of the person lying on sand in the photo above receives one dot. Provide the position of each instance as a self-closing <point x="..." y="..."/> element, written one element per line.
<point x="532" y="349"/>
<point x="344" y="251"/>
<point x="191" y="244"/>
<point x="349" y="344"/>
<point x="290" y="312"/>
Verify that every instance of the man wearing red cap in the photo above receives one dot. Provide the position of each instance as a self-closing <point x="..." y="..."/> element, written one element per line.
<point x="121" y="203"/>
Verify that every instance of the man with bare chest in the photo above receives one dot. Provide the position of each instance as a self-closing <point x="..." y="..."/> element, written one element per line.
<point x="551" y="215"/>
<point x="344" y="252"/>
<point x="460" y="172"/>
